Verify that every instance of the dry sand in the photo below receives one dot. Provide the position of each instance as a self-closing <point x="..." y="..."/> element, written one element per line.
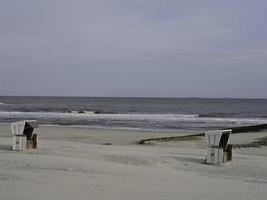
<point x="70" y="163"/>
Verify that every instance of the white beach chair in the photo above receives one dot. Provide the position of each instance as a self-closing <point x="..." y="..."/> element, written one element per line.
<point x="23" y="136"/>
<point x="219" y="151"/>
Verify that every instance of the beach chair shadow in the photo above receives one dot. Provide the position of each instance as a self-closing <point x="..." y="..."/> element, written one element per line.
<point x="189" y="159"/>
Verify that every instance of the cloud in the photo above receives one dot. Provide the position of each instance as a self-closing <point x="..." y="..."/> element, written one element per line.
<point x="134" y="48"/>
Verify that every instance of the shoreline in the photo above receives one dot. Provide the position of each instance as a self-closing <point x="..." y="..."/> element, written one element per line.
<point x="91" y="135"/>
<point x="156" y="130"/>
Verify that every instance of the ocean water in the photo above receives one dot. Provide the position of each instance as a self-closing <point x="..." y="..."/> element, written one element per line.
<point x="172" y="114"/>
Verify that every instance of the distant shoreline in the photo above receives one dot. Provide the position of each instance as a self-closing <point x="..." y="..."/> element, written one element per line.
<point x="136" y="97"/>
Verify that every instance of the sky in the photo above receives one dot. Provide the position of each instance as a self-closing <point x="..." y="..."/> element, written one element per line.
<point x="131" y="48"/>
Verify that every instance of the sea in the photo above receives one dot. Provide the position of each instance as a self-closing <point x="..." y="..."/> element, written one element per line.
<point x="157" y="114"/>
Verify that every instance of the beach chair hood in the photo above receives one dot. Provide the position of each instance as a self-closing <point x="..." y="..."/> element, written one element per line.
<point x="218" y="138"/>
<point x="19" y="127"/>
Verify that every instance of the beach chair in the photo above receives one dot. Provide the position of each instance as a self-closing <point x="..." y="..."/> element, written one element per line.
<point x="219" y="151"/>
<point x="22" y="135"/>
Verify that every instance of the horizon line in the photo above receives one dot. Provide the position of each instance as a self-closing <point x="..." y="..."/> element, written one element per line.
<point x="148" y="97"/>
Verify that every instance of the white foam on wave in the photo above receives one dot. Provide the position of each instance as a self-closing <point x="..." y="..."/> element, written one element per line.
<point x="91" y="115"/>
<point x="81" y="112"/>
<point x="130" y="117"/>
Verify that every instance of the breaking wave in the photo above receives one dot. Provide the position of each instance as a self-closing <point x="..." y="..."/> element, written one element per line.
<point x="167" y="121"/>
<point x="94" y="115"/>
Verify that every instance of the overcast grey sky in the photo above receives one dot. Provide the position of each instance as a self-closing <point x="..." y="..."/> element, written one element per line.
<point x="165" y="48"/>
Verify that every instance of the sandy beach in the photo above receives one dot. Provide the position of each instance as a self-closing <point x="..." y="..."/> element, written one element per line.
<point x="73" y="163"/>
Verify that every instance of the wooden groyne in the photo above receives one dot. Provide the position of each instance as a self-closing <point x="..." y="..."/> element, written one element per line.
<point x="240" y="129"/>
<point x="243" y="129"/>
<point x="172" y="138"/>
